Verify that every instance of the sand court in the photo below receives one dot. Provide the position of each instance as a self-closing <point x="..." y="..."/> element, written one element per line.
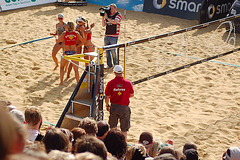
<point x="199" y="104"/>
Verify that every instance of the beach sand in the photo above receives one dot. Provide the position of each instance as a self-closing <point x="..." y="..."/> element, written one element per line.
<point x="199" y="104"/>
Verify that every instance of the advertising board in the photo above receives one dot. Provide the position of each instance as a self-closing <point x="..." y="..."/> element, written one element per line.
<point x="15" y="4"/>
<point x="186" y="9"/>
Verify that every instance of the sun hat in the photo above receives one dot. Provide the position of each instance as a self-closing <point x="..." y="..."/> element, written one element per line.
<point x="80" y="19"/>
<point x="60" y="15"/>
<point x="233" y="153"/>
<point x="146" y="138"/>
<point x="118" y="69"/>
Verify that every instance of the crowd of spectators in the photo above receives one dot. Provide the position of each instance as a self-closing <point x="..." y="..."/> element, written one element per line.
<point x="20" y="139"/>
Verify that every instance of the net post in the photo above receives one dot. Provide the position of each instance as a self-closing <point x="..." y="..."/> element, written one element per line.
<point x="118" y="54"/>
<point x="125" y="63"/>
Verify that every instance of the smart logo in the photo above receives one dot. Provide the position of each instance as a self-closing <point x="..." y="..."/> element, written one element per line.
<point x="159" y="5"/>
<point x="183" y="5"/>
<point x="211" y="11"/>
<point x="219" y="9"/>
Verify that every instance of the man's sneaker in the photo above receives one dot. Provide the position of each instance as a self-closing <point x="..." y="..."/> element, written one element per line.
<point x="107" y="67"/>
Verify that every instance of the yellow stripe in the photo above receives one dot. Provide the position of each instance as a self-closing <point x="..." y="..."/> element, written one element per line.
<point x="77" y="59"/>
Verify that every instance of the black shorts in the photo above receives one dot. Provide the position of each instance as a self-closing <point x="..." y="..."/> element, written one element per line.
<point x="120" y="112"/>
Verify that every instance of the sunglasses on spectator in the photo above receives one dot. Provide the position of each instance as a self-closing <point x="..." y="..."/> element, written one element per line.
<point x="60" y="18"/>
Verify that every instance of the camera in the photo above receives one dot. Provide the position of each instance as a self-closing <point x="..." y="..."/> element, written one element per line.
<point x="106" y="9"/>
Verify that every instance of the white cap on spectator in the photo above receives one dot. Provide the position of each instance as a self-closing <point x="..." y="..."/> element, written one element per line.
<point x="233" y="153"/>
<point x="11" y="107"/>
<point x="118" y="69"/>
<point x="18" y="114"/>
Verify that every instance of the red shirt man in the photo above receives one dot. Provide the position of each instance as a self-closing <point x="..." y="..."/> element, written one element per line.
<point x="118" y="91"/>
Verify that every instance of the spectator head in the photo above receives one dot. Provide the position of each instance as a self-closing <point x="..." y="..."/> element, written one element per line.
<point x="103" y="128"/>
<point x="136" y="152"/>
<point x="189" y="145"/>
<point x="146" y="138"/>
<point x="67" y="133"/>
<point x="6" y="105"/>
<point x="7" y="131"/>
<point x="78" y="133"/>
<point x="89" y="125"/>
<point x="87" y="156"/>
<point x="29" y="155"/>
<point x="154" y="148"/>
<point x="91" y="144"/>
<point x="165" y="156"/>
<point x="60" y="155"/>
<point x="55" y="139"/>
<point x="170" y="149"/>
<point x="33" y="116"/>
<point x="191" y="154"/>
<point x="118" y="70"/>
<point x="18" y="115"/>
<point x="116" y="143"/>
<point x="233" y="153"/>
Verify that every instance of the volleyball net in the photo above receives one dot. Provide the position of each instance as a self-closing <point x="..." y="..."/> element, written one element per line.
<point x="159" y="55"/>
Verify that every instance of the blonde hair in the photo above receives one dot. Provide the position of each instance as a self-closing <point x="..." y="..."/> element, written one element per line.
<point x="70" y="26"/>
<point x="114" y="5"/>
<point x="154" y="148"/>
<point x="131" y="151"/>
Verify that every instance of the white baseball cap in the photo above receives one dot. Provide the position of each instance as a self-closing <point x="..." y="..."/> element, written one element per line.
<point x="80" y="19"/>
<point x="60" y="15"/>
<point x="233" y="153"/>
<point x="118" y="69"/>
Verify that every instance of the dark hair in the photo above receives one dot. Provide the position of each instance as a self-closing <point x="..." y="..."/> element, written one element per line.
<point x="91" y="144"/>
<point x="77" y="133"/>
<point x="32" y="115"/>
<point x="170" y="149"/>
<point x="102" y="128"/>
<point x="56" y="139"/>
<point x="116" y="143"/>
<point x="189" y="145"/>
<point x="68" y="133"/>
<point x="89" y="125"/>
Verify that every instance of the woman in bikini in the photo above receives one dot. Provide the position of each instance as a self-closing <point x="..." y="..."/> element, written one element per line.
<point x="60" y="28"/>
<point x="69" y="39"/>
<point x="88" y="46"/>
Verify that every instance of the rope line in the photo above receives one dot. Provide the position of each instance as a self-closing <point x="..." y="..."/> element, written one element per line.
<point x="49" y="123"/>
<point x="183" y="67"/>
<point x="19" y="44"/>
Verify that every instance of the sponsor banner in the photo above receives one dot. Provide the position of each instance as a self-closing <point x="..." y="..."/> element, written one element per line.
<point x="15" y="4"/>
<point x="214" y="9"/>
<point x="134" y="5"/>
<point x="186" y="9"/>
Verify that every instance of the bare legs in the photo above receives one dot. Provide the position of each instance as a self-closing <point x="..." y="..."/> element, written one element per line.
<point x="55" y="50"/>
<point x="64" y="62"/>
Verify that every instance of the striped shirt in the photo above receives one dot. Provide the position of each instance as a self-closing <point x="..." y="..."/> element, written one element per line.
<point x="119" y="18"/>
